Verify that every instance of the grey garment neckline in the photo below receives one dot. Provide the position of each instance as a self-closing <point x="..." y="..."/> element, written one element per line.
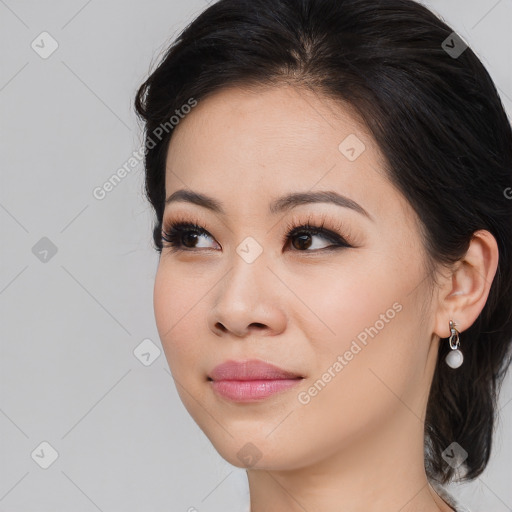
<point x="454" y="503"/>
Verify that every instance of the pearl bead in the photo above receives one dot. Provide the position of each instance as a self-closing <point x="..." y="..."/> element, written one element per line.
<point x="454" y="358"/>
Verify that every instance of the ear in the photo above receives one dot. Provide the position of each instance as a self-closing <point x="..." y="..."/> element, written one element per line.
<point x="466" y="288"/>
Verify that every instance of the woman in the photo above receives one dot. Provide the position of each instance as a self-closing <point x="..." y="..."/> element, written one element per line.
<point x="332" y="184"/>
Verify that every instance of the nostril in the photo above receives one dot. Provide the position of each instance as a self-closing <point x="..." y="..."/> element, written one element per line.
<point x="220" y="327"/>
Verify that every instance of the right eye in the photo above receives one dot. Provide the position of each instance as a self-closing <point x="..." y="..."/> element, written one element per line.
<point x="182" y="236"/>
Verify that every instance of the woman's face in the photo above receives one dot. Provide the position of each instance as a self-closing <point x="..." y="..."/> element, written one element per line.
<point x="352" y="318"/>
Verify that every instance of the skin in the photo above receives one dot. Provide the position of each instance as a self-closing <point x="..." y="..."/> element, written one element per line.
<point x="358" y="444"/>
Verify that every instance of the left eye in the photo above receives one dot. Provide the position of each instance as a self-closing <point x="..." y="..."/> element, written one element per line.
<point x="184" y="236"/>
<point x="304" y="234"/>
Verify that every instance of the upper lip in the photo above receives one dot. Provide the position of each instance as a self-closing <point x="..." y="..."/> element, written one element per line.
<point x="253" y="369"/>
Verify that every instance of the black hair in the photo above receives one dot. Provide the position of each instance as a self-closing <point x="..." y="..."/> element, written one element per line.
<point x="437" y="118"/>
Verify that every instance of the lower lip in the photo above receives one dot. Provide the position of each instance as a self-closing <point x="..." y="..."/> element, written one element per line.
<point x="251" y="390"/>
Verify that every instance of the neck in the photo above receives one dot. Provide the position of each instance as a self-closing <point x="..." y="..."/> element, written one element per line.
<point x="380" y="470"/>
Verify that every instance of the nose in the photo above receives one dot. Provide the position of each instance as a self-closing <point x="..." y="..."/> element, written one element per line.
<point x="248" y="300"/>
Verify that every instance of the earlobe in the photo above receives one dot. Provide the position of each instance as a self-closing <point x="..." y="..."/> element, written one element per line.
<point x="467" y="288"/>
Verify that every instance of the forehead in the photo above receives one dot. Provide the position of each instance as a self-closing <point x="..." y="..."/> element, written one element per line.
<point x="256" y="124"/>
<point x="243" y="145"/>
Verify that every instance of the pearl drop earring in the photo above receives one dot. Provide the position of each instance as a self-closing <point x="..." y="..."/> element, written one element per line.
<point x="454" y="358"/>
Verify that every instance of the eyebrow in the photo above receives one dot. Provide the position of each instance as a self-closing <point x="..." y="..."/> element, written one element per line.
<point x="279" y="205"/>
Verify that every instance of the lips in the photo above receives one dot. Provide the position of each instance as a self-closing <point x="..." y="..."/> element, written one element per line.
<point x="250" y="370"/>
<point x="251" y="381"/>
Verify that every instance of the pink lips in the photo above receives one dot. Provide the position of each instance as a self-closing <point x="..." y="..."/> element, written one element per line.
<point x="251" y="380"/>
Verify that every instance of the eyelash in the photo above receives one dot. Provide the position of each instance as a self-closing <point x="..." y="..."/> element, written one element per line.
<point x="174" y="230"/>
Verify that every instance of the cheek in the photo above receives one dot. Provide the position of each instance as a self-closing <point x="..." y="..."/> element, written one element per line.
<point x="369" y="317"/>
<point x="166" y="303"/>
<point x="342" y="299"/>
<point x="178" y="314"/>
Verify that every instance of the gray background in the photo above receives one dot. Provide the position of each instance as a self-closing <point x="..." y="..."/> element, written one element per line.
<point x="70" y="321"/>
